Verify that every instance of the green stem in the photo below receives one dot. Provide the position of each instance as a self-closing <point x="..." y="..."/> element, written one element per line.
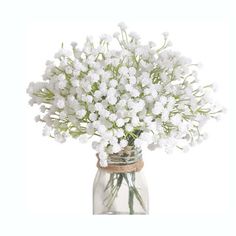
<point x="131" y="202"/>
<point x="113" y="186"/>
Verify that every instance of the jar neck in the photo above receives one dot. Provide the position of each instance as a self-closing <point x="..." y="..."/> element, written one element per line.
<point x="127" y="156"/>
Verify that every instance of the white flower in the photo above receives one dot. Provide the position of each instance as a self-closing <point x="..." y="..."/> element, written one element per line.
<point x="37" y="118"/>
<point x="99" y="106"/>
<point x="90" y="129"/>
<point x="79" y="66"/>
<point x="205" y="136"/>
<point x="169" y="44"/>
<point x="152" y="146"/>
<point x="113" y="83"/>
<point x="103" y="88"/>
<point x="123" y="143"/>
<point x="62" y="115"/>
<point x="134" y="94"/>
<point x="113" y="117"/>
<point x="165" y="34"/>
<point x="147" y="137"/>
<point x="102" y="162"/>
<point x="60" y="103"/>
<point x="32" y="101"/>
<point x="151" y="44"/>
<point x="116" y="148"/>
<point x="122" y="103"/>
<point x="94" y="77"/>
<point x="135" y="121"/>
<point x="163" y="100"/>
<point x="93" y="116"/>
<point x="105" y="37"/>
<point x="47" y="130"/>
<point x="138" y="142"/>
<point x="89" y="99"/>
<point x="129" y="127"/>
<point x="169" y="150"/>
<point x="62" y="81"/>
<point x="120" y="122"/>
<point x="140" y="105"/>
<point x="113" y="140"/>
<point x="116" y="35"/>
<point x="157" y="109"/>
<point x="145" y="81"/>
<point x="101" y="129"/>
<point x="132" y="80"/>
<point x="129" y="87"/>
<point x="163" y="77"/>
<point x="95" y="144"/>
<point x="97" y="94"/>
<point x="59" y="137"/>
<point x="43" y="108"/>
<point x="83" y="138"/>
<point x="68" y="70"/>
<point x="185" y="148"/>
<point x="63" y="53"/>
<point x="107" y="135"/>
<point x="75" y="82"/>
<point x="81" y="113"/>
<point x="134" y="35"/>
<point x="123" y="70"/>
<point x="73" y="44"/>
<point x="165" y="115"/>
<point x="176" y="119"/>
<point x="132" y="71"/>
<point x="214" y="87"/>
<point x="119" y="133"/>
<point x="112" y="100"/>
<point x="104" y="113"/>
<point x="102" y="154"/>
<point x="122" y="26"/>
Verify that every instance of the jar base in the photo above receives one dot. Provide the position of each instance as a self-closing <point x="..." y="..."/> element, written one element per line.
<point x="120" y="213"/>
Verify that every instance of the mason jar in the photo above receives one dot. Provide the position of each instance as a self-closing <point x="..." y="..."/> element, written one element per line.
<point x="121" y="188"/>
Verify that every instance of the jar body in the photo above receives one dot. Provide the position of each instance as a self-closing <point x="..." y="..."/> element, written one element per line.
<point x="120" y="193"/>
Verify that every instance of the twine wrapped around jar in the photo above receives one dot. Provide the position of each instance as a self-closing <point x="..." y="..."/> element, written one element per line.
<point x="123" y="162"/>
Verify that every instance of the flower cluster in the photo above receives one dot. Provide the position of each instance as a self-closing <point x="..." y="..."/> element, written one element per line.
<point x="139" y="93"/>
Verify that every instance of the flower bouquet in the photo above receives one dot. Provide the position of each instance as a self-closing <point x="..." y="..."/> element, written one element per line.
<point x="123" y="97"/>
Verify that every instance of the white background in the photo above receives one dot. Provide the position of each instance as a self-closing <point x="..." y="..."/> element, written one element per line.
<point x="46" y="187"/>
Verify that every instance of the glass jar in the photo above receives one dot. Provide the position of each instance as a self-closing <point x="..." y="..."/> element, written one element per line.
<point x="120" y="188"/>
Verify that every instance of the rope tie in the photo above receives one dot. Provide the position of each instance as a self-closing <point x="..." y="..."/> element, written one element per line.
<point x="118" y="165"/>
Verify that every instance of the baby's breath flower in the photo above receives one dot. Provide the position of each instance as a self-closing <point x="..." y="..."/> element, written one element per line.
<point x="59" y="137"/>
<point x="158" y="108"/>
<point x="83" y="138"/>
<point x="37" y="118"/>
<point x="116" y="35"/>
<point x="138" y="142"/>
<point x="73" y="44"/>
<point x="120" y="122"/>
<point x="106" y="38"/>
<point x="134" y="35"/>
<point x="60" y="103"/>
<point x="42" y="108"/>
<point x="122" y="26"/>
<point x="165" y="34"/>
<point x="123" y="143"/>
<point x="130" y="96"/>
<point x="46" y="130"/>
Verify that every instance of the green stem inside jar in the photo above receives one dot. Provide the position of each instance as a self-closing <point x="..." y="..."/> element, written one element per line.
<point x="113" y="186"/>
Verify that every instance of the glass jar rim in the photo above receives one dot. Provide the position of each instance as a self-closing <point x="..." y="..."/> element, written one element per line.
<point x="127" y="156"/>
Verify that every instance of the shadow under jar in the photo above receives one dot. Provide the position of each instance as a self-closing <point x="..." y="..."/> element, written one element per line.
<point x="120" y="188"/>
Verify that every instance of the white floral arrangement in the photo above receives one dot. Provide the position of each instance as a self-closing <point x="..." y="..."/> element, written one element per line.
<point x="126" y="97"/>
